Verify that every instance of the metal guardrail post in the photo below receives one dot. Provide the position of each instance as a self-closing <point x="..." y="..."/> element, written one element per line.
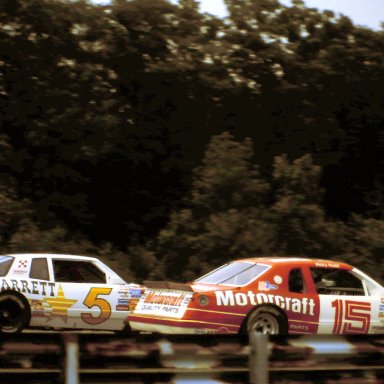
<point x="71" y="345"/>
<point x="258" y="358"/>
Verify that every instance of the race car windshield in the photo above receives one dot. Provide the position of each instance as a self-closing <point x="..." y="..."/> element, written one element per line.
<point x="237" y="273"/>
<point x="5" y="264"/>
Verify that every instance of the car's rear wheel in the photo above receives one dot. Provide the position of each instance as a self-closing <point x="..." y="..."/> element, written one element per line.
<point x="267" y="320"/>
<point x="14" y="313"/>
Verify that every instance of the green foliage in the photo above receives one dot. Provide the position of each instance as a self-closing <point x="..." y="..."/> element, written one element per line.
<point x="364" y="245"/>
<point x="297" y="211"/>
<point x="225" y="203"/>
<point x="12" y="210"/>
<point x="227" y="178"/>
<point x="233" y="212"/>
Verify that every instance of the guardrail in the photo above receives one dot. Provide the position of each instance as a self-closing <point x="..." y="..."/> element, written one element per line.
<point x="74" y="358"/>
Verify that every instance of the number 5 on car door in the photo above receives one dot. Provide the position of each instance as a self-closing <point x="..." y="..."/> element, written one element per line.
<point x="102" y="306"/>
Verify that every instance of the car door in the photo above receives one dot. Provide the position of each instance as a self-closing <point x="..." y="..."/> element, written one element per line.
<point x="83" y="299"/>
<point x="345" y="305"/>
<point x="302" y="320"/>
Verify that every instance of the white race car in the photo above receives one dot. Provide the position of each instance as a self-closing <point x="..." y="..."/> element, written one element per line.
<point x="62" y="291"/>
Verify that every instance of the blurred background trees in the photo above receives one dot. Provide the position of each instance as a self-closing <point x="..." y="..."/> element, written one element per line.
<point x="169" y="141"/>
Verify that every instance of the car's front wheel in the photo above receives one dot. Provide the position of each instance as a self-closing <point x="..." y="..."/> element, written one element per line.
<point x="267" y="320"/>
<point x="14" y="313"/>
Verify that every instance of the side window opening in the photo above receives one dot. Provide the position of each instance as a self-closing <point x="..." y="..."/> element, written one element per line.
<point x="77" y="272"/>
<point x="296" y="281"/>
<point x="337" y="282"/>
<point x="39" y="269"/>
<point x="5" y="264"/>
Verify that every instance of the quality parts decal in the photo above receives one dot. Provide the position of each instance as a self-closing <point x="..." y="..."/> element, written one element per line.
<point x="164" y="303"/>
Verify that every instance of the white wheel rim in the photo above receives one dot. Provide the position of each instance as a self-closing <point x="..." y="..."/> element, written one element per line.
<point x="265" y="323"/>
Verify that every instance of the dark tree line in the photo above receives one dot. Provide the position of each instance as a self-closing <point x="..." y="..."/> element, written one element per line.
<point x="159" y="137"/>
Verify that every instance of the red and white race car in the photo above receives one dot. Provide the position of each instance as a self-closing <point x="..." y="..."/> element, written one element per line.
<point x="271" y="295"/>
<point x="62" y="291"/>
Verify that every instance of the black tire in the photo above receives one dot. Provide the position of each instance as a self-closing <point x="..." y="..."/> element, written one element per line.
<point x="267" y="320"/>
<point x="126" y="331"/>
<point x="14" y="313"/>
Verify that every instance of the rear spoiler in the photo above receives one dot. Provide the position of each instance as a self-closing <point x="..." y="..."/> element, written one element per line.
<point x="168" y="285"/>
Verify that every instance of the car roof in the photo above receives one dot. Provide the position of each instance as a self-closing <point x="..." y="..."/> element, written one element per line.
<point x="299" y="261"/>
<point x="51" y="255"/>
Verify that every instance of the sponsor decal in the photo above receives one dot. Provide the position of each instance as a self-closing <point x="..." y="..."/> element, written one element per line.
<point x="228" y="298"/>
<point x="165" y="298"/>
<point x="206" y="331"/>
<point x="22" y="267"/>
<point x="299" y="327"/>
<point x="130" y="293"/>
<point x="122" y="307"/>
<point x="133" y="304"/>
<point x="382" y="300"/>
<point x="124" y="293"/>
<point x="22" y="264"/>
<point x="381" y="308"/>
<point x="381" y="315"/>
<point x="327" y="265"/>
<point x="266" y="286"/>
<point x="34" y="287"/>
<point x="278" y="279"/>
<point x="135" y="293"/>
<point x="164" y="303"/>
<point x="60" y="304"/>
<point x="127" y="301"/>
<point x="40" y="309"/>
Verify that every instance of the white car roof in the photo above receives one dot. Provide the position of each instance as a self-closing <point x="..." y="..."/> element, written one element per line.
<point x="51" y="256"/>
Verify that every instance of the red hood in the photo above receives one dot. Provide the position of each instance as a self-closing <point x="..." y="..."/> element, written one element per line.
<point x="188" y="287"/>
<point x="199" y="287"/>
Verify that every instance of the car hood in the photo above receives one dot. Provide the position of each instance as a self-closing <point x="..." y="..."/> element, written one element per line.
<point x="188" y="287"/>
<point x="198" y="287"/>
